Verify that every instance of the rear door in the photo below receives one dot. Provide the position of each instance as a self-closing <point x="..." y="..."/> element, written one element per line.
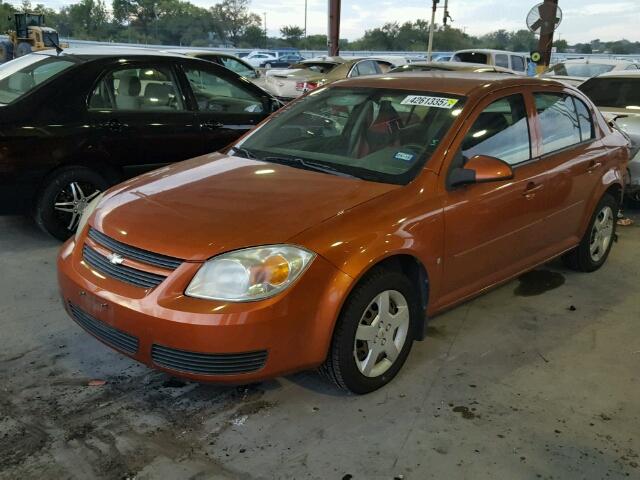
<point x="226" y="105"/>
<point x="142" y="116"/>
<point x="574" y="156"/>
<point x="492" y="230"/>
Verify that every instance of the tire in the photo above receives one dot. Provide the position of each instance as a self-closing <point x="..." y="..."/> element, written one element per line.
<point x="72" y="188"/>
<point x="6" y="51"/>
<point x="633" y="200"/>
<point x="346" y="364"/>
<point x="596" y="243"/>
<point x="23" y="49"/>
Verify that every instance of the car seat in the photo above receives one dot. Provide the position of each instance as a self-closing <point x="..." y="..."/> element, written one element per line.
<point x="382" y="132"/>
<point x="157" y="95"/>
<point x="128" y="97"/>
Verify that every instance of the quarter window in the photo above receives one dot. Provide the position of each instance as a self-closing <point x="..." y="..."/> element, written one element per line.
<point x="584" y="120"/>
<point x="137" y="89"/>
<point x="500" y="131"/>
<point x="502" y="60"/>
<point x="559" y="123"/>
<point x="217" y="94"/>
<point x="517" y="63"/>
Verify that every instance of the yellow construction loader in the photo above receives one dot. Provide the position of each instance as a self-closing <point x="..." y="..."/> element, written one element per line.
<point x="30" y="35"/>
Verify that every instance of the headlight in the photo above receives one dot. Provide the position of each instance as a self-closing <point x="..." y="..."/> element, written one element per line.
<point x="86" y="213"/>
<point x="250" y="274"/>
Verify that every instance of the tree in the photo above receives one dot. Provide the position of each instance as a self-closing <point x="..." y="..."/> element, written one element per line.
<point x="292" y="34"/>
<point x="561" y="45"/>
<point x="235" y="18"/>
<point x="6" y="17"/>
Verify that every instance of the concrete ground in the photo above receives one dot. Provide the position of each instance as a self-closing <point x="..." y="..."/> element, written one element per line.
<point x="521" y="383"/>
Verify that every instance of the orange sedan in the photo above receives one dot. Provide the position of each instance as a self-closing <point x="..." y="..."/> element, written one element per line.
<point x="329" y="235"/>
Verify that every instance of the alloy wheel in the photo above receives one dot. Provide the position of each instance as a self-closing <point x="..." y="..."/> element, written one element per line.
<point x="381" y="333"/>
<point x="601" y="233"/>
<point x="71" y="202"/>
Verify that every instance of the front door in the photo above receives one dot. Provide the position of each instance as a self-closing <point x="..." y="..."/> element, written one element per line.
<point x="227" y="105"/>
<point x="492" y="229"/>
<point x="141" y="116"/>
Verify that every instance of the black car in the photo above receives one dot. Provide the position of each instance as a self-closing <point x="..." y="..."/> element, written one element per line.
<point x="73" y="124"/>
<point x="283" y="61"/>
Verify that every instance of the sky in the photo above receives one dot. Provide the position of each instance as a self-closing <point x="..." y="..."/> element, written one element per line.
<point x="583" y="20"/>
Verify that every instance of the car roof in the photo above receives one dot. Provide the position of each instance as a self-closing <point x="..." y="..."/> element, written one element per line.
<point x="454" y="83"/>
<point x="453" y="65"/>
<point x="487" y="50"/>
<point x="620" y="74"/>
<point x="108" y="51"/>
<point x="597" y="61"/>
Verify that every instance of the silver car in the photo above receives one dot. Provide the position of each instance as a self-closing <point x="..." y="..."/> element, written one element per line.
<point x="617" y="95"/>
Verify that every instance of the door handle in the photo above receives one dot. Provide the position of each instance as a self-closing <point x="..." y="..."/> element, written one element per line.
<point x="594" y="166"/>
<point x="113" y="125"/>
<point x="211" y="125"/>
<point x="532" y="189"/>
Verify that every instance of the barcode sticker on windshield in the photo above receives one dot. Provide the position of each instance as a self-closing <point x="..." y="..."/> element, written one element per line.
<point x="438" y="102"/>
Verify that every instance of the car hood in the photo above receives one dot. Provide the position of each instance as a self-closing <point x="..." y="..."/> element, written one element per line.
<point x="208" y="205"/>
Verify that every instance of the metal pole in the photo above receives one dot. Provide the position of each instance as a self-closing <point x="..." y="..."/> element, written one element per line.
<point x="266" y="35"/>
<point x="431" y="29"/>
<point x="305" y="18"/>
<point x="548" y="11"/>
<point x="333" y="37"/>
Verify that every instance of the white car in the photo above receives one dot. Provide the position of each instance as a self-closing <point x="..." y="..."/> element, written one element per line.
<point x="574" y="72"/>
<point x="617" y="95"/>
<point x="497" y="58"/>
<point x="258" y="57"/>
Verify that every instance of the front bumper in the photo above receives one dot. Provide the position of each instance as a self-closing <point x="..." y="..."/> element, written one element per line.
<point x="201" y="339"/>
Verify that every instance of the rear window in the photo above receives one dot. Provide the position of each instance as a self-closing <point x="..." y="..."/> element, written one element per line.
<point x="470" y="57"/>
<point x="578" y="69"/>
<point x="22" y="75"/>
<point x="320" y="67"/>
<point x="613" y="92"/>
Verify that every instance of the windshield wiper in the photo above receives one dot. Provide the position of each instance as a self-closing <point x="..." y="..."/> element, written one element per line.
<point x="246" y="153"/>
<point x="308" y="165"/>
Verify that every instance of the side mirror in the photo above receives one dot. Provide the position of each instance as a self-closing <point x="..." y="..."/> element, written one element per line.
<point x="480" y="169"/>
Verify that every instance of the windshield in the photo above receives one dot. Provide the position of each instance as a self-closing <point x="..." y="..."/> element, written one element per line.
<point x="578" y="69"/>
<point x="613" y="92"/>
<point x="22" y="75"/>
<point x="375" y="134"/>
<point x="470" y="57"/>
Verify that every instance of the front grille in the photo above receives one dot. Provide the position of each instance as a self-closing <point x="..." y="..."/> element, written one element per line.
<point x="109" y="335"/>
<point x="126" y="274"/>
<point x="134" y="253"/>
<point x="208" y="363"/>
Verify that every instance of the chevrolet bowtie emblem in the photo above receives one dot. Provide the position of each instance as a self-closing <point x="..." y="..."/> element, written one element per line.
<point x="115" y="258"/>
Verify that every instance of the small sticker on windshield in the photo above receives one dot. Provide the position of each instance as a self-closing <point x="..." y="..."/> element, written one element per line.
<point x="407" y="157"/>
<point x="425" y="101"/>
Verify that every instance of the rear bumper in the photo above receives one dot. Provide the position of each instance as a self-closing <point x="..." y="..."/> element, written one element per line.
<point x="206" y="340"/>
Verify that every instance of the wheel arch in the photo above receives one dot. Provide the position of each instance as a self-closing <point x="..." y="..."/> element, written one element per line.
<point x="413" y="268"/>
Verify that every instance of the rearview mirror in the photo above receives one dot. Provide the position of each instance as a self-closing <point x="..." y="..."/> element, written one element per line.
<point x="481" y="169"/>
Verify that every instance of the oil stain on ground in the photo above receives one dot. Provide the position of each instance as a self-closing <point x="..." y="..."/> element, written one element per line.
<point x="537" y="282"/>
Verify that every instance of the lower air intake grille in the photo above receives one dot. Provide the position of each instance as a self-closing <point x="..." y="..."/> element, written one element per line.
<point x="109" y="335"/>
<point x="208" y="363"/>
<point x="126" y="274"/>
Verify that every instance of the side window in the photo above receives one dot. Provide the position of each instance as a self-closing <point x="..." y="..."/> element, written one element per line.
<point x="137" y="89"/>
<point x="584" y="120"/>
<point x="517" y="63"/>
<point x="558" y="121"/>
<point x="236" y="66"/>
<point x="215" y="93"/>
<point x="365" y="68"/>
<point x="502" y="131"/>
<point x="502" y="60"/>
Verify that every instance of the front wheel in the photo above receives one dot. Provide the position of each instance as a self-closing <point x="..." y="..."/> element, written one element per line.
<point x="596" y="243"/>
<point x="23" y="49"/>
<point x="374" y="333"/>
<point x="64" y="197"/>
